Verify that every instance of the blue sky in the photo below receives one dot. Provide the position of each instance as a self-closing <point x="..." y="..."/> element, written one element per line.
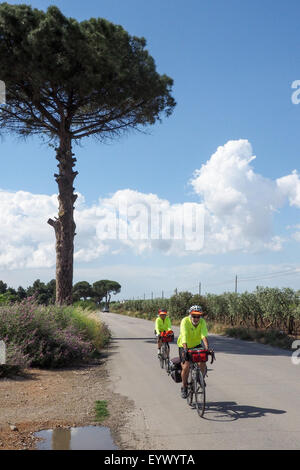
<point x="233" y="64"/>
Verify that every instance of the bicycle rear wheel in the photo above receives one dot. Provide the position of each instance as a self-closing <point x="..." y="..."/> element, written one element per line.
<point x="199" y="391"/>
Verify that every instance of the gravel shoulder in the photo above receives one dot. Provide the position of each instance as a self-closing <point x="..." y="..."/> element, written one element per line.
<point x="45" y="399"/>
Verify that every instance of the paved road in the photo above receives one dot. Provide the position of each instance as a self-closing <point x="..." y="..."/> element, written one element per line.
<point x="253" y="394"/>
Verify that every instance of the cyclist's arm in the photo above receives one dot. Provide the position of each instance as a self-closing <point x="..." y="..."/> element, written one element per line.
<point x="157" y="326"/>
<point x="204" y="333"/>
<point x="204" y="339"/>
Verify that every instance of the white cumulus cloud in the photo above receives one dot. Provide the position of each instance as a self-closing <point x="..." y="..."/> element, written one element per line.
<point x="239" y="203"/>
<point x="235" y="212"/>
<point x="290" y="187"/>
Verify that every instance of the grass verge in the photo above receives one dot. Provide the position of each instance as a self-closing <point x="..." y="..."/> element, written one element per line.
<point x="272" y="337"/>
<point x="101" y="410"/>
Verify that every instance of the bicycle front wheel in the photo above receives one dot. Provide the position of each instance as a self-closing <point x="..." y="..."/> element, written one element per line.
<point x="162" y="356"/>
<point x="199" y="391"/>
<point x="167" y="357"/>
<point x="190" y="389"/>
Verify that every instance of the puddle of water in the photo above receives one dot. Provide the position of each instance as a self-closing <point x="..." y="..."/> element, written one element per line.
<point x="85" y="438"/>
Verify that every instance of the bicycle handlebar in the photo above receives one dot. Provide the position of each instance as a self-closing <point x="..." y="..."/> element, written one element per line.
<point x="213" y="356"/>
<point x="210" y="352"/>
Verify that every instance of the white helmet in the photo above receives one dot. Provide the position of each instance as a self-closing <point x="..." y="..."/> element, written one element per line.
<point x="196" y="309"/>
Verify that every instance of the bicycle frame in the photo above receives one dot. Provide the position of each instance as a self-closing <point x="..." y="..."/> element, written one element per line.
<point x="196" y="387"/>
<point x="165" y="356"/>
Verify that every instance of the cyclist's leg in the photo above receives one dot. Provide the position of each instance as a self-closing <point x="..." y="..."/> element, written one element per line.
<point x="185" y="368"/>
<point x="162" y="355"/>
<point x="190" y="386"/>
<point x="167" y="357"/>
<point x="158" y="345"/>
<point x="202" y="366"/>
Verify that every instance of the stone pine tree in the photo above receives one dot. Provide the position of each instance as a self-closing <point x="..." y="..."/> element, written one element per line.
<point x="66" y="80"/>
<point x="82" y="289"/>
<point x="104" y="289"/>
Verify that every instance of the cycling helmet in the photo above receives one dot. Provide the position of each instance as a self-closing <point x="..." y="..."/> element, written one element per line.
<point x="162" y="311"/>
<point x="196" y="309"/>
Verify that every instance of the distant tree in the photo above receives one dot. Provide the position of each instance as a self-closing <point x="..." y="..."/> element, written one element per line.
<point x="36" y="287"/>
<point x="180" y="303"/>
<point x="67" y="80"/>
<point x="51" y="288"/>
<point x="11" y="291"/>
<point x="98" y="291"/>
<point x="81" y="290"/>
<point x="3" y="287"/>
<point x="43" y="293"/>
<point x="21" y="293"/>
<point x="104" y="290"/>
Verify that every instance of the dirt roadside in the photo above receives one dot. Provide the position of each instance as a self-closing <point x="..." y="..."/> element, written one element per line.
<point x="45" y="399"/>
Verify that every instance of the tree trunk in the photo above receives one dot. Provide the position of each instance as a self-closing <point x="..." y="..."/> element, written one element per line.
<point x="291" y="325"/>
<point x="64" y="226"/>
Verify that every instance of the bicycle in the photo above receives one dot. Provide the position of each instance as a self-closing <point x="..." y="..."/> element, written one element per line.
<point x="196" y="387"/>
<point x="164" y="356"/>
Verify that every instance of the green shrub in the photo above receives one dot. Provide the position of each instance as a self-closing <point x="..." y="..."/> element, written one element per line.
<point x="241" y="333"/>
<point x="86" y="305"/>
<point x="50" y="336"/>
<point x="90" y="326"/>
<point x="272" y="337"/>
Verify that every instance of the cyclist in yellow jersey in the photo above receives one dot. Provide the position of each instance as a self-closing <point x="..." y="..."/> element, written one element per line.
<point x="193" y="331"/>
<point x="162" y="323"/>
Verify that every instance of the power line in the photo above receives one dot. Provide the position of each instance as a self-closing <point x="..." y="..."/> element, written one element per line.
<point x="257" y="277"/>
<point x="232" y="281"/>
<point x="271" y="275"/>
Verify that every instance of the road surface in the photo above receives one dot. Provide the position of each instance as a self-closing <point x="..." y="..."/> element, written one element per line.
<point x="253" y="394"/>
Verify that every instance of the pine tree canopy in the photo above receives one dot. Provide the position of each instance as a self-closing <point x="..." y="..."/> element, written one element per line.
<point x="84" y="78"/>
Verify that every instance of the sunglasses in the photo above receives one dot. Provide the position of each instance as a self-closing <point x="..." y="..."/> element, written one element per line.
<point x="197" y="317"/>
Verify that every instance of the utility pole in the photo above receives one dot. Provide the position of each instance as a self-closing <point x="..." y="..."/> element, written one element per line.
<point x="162" y="294"/>
<point x="236" y="284"/>
<point x="151" y="295"/>
<point x="199" y="288"/>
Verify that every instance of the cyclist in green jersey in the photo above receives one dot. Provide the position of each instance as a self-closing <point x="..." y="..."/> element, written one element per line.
<point x="193" y="331"/>
<point x="162" y="323"/>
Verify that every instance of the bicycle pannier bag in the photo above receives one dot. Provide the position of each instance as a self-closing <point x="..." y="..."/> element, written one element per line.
<point x="176" y="376"/>
<point x="198" y="355"/>
<point x="167" y="336"/>
<point x="175" y="369"/>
